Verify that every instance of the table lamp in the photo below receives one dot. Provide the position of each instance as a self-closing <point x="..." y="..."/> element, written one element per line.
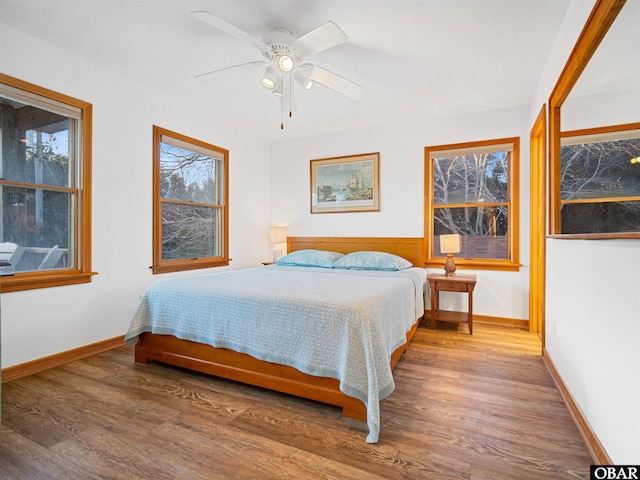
<point x="450" y="244"/>
<point x="277" y="237"/>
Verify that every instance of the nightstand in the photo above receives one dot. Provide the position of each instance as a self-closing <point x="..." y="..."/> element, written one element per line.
<point x="460" y="283"/>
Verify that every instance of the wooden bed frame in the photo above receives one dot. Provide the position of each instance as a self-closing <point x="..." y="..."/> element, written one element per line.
<point x="244" y="368"/>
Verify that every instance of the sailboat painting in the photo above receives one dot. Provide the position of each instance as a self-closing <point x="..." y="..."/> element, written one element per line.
<point x="345" y="184"/>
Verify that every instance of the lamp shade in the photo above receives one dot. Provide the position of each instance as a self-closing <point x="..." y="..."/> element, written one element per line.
<point x="450" y="243"/>
<point x="277" y="235"/>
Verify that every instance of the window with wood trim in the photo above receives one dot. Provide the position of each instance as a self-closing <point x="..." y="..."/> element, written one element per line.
<point x="600" y="180"/>
<point x="190" y="203"/>
<point x="472" y="189"/>
<point x="45" y="187"/>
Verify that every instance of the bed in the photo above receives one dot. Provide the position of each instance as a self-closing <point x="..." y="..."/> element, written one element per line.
<point x="351" y="368"/>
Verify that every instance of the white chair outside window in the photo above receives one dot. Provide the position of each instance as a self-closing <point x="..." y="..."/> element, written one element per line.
<point x="13" y="257"/>
<point x="51" y="259"/>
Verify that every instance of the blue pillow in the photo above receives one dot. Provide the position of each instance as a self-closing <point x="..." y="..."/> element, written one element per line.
<point x="372" y="261"/>
<point x="310" y="258"/>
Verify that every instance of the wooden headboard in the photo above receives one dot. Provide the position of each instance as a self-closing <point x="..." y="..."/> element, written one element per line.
<point x="410" y="248"/>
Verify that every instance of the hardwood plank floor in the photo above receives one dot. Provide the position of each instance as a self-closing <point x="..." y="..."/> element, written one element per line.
<point x="465" y="407"/>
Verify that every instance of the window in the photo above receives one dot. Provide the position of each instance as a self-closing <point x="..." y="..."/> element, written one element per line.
<point x="45" y="179"/>
<point x="190" y="203"/>
<point x="472" y="189"/>
<point x="600" y="180"/>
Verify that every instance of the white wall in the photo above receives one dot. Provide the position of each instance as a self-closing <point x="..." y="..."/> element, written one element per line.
<point x="592" y="303"/>
<point x="44" y="322"/>
<point x="401" y="148"/>
<point x="593" y="334"/>
<point x="588" y="112"/>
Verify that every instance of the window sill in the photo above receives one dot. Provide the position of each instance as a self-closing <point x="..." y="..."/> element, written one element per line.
<point x="31" y="281"/>
<point x="498" y="265"/>
<point x="595" y="236"/>
<point x="181" y="265"/>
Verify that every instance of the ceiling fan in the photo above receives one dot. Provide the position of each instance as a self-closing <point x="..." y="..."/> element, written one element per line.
<point x="285" y="55"/>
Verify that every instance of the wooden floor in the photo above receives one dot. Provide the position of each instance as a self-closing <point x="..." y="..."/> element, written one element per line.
<point x="465" y="407"/>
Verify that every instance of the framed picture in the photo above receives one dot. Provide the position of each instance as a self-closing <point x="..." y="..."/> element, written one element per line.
<point x="345" y="184"/>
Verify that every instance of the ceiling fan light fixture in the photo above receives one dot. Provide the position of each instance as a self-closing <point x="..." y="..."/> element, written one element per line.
<point x="305" y="83"/>
<point x="278" y="89"/>
<point x="285" y="63"/>
<point x="303" y="79"/>
<point x="269" y="78"/>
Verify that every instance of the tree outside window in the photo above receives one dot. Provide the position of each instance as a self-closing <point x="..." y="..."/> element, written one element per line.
<point x="190" y="203"/>
<point x="471" y="190"/>
<point x="600" y="180"/>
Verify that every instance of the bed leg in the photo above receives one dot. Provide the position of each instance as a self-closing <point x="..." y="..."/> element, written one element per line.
<point x="358" y="412"/>
<point x="140" y="356"/>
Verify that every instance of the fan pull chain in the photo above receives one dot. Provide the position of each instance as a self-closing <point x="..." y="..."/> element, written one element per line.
<point x="290" y="97"/>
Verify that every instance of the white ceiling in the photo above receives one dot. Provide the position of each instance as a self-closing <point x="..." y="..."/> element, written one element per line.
<point x="415" y="58"/>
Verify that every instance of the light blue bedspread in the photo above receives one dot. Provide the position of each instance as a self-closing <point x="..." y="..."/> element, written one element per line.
<point x="342" y="324"/>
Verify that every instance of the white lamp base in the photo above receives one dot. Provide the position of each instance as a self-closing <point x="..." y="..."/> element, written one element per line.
<point x="279" y="251"/>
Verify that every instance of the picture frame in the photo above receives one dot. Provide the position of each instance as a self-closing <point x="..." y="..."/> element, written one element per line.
<point x="345" y="184"/>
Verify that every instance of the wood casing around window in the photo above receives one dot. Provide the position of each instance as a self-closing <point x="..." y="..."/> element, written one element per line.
<point x="159" y="264"/>
<point x="510" y="264"/>
<point x="81" y="273"/>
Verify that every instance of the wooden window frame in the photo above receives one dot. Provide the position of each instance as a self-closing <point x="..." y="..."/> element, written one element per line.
<point x="513" y="205"/>
<point x="81" y="272"/>
<point x="166" y="266"/>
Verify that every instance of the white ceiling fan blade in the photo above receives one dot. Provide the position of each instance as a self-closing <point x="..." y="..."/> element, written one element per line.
<point x="325" y="36"/>
<point x="207" y="75"/>
<point x="336" y="82"/>
<point x="226" y="27"/>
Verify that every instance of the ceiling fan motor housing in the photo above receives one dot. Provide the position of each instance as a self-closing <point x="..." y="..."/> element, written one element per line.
<point x="278" y="47"/>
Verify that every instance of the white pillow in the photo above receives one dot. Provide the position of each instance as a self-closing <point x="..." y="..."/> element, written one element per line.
<point x="310" y="258"/>
<point x="372" y="261"/>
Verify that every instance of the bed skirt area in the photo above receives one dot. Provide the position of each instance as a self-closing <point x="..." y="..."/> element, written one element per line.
<point x="241" y="367"/>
